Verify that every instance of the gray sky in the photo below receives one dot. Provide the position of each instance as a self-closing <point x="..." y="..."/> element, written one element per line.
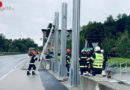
<point x="30" y="16"/>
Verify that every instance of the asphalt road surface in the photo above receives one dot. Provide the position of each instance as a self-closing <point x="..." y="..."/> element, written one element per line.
<point x="9" y="63"/>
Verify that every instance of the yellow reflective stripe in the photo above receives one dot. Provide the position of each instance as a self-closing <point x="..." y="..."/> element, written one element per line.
<point x="82" y="66"/>
<point x="97" y="63"/>
<point x="85" y="66"/>
<point x="68" y="61"/>
<point x="84" y="57"/>
<point x="38" y="59"/>
<point x="88" y="58"/>
<point x="92" y="58"/>
<point x="31" y="63"/>
<point x="97" y="66"/>
<point x="35" y="58"/>
<point x="48" y="28"/>
<point x="68" y="56"/>
<point x="33" y="70"/>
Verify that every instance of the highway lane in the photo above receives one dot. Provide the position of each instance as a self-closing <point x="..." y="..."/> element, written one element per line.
<point x="8" y="63"/>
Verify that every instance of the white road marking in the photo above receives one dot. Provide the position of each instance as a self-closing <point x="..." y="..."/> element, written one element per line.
<point x="5" y="75"/>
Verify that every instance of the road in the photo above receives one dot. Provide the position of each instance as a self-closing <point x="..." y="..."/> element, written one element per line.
<point x="9" y="63"/>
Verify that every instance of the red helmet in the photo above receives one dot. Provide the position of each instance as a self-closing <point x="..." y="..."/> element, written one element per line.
<point x="68" y="50"/>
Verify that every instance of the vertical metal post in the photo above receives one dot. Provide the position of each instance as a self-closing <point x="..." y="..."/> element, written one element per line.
<point x="62" y="67"/>
<point x="74" y="78"/>
<point x="56" y="41"/>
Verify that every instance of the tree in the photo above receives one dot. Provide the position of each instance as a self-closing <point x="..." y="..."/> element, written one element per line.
<point x="2" y="42"/>
<point x="123" y="45"/>
<point x="93" y="32"/>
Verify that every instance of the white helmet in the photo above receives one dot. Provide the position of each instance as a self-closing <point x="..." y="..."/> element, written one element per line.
<point x="97" y="48"/>
<point x="83" y="50"/>
<point x="102" y="50"/>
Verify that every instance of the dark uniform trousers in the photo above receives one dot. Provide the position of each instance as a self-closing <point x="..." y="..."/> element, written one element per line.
<point x="32" y="66"/>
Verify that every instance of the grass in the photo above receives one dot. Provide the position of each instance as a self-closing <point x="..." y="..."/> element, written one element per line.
<point x="119" y="60"/>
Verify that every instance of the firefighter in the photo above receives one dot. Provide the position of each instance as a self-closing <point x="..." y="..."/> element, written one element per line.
<point x="89" y="61"/>
<point x="68" y="60"/>
<point x="105" y="59"/>
<point x="83" y="62"/>
<point x="98" y="61"/>
<point x="31" y="64"/>
<point x="48" y="30"/>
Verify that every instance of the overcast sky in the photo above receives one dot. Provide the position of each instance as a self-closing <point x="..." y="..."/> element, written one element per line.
<point x="30" y="16"/>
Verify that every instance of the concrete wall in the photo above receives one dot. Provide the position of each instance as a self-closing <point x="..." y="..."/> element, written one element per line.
<point x="100" y="83"/>
<point x="88" y="84"/>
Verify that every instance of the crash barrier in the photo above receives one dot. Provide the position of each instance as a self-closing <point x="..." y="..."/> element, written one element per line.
<point x="101" y="83"/>
<point x="123" y="67"/>
<point x="10" y="53"/>
<point x="112" y="67"/>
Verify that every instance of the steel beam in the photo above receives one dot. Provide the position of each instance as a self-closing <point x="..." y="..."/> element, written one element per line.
<point x="74" y="78"/>
<point x="56" y="41"/>
<point x="62" y="67"/>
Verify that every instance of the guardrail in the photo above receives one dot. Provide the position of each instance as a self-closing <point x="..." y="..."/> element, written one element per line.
<point x="10" y="53"/>
<point x="113" y="67"/>
<point x="123" y="67"/>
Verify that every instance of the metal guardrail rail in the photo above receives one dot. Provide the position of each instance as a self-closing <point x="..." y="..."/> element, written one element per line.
<point x="10" y="53"/>
<point x="123" y="67"/>
<point x="113" y="67"/>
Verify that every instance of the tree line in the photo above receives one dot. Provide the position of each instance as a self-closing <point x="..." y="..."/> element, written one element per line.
<point x="16" y="45"/>
<point x="112" y="32"/>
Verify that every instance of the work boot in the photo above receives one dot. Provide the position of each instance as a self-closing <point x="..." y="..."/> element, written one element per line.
<point x="28" y="73"/>
<point x="33" y="73"/>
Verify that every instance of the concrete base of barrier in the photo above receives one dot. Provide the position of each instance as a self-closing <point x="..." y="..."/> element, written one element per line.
<point x="87" y="84"/>
<point x="101" y="83"/>
<point x="104" y="87"/>
<point x="91" y="82"/>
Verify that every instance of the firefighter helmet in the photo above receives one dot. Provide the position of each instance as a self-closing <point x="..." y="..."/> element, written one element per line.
<point x="68" y="50"/>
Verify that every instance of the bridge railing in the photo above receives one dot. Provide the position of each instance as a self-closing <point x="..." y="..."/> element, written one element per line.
<point x="113" y="67"/>
<point x="123" y="67"/>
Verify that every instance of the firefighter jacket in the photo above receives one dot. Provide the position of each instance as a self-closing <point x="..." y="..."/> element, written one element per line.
<point x="33" y="59"/>
<point x="68" y="59"/>
<point x="90" y="60"/>
<point x="83" y="61"/>
<point x="98" y="62"/>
